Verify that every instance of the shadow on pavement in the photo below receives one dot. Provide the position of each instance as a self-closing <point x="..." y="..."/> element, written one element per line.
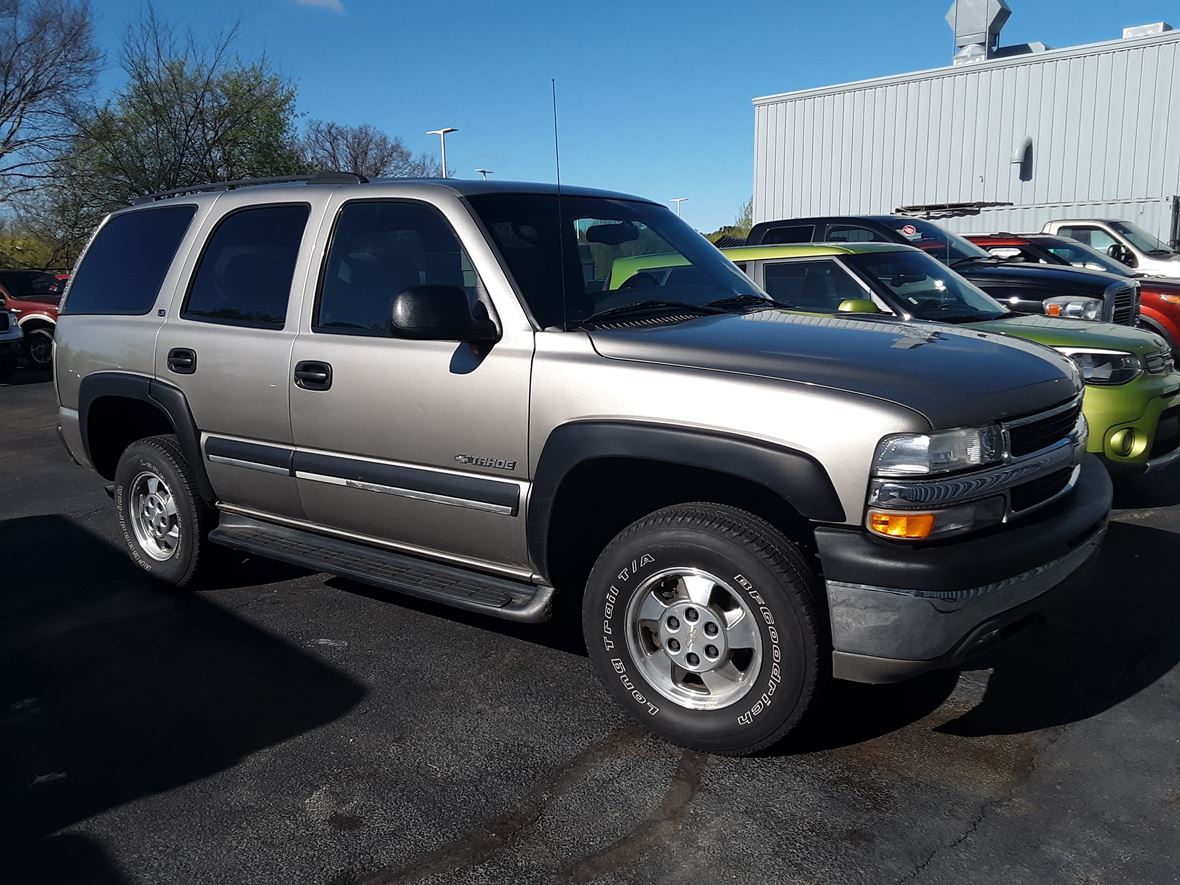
<point x="1107" y="640"/>
<point x="25" y="375"/>
<point x="1148" y="490"/>
<point x="112" y="688"/>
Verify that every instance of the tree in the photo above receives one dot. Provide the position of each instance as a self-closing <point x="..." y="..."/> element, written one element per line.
<point x="363" y="149"/>
<point x="188" y="113"/>
<point x="48" y="61"/>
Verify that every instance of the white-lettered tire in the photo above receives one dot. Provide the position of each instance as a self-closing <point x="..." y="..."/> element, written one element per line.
<point x="701" y="620"/>
<point x="162" y="518"/>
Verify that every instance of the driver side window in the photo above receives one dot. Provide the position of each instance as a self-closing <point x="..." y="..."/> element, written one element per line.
<point x="1090" y="236"/>
<point x="381" y="248"/>
<point x="819" y="286"/>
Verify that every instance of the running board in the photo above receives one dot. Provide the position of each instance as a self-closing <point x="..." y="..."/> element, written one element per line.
<point x="447" y="584"/>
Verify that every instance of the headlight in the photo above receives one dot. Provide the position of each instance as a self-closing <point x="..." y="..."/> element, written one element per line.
<point x="1074" y="307"/>
<point x="1105" y="367"/>
<point x="918" y="526"/>
<point x="923" y="454"/>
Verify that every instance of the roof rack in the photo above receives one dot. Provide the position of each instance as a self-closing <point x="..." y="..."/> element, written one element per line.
<point x="318" y="178"/>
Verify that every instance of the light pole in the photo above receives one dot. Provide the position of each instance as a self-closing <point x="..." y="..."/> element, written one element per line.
<point x="678" y="201"/>
<point x="442" y="140"/>
<point x="484" y="172"/>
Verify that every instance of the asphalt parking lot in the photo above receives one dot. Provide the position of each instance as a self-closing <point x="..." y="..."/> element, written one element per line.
<point x="289" y="727"/>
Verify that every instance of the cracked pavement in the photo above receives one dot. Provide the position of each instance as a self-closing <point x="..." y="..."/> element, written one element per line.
<point x="289" y="727"/>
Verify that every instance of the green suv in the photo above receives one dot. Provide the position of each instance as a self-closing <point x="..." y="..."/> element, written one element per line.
<point x="1132" y="399"/>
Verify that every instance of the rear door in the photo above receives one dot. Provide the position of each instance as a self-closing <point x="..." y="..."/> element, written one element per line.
<point x="420" y="445"/>
<point x="226" y="343"/>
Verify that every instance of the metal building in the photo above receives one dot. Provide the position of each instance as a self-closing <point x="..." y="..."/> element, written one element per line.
<point x="1086" y="131"/>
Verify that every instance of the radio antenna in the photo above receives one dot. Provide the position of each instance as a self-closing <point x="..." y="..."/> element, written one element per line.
<point x="560" y="222"/>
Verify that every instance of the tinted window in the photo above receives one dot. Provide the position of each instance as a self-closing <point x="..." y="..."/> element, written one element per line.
<point x="244" y="276"/>
<point x="380" y="249"/>
<point x="780" y="235"/>
<point x="811" y="285"/>
<point x="127" y="262"/>
<point x="843" y="233"/>
<point x="27" y="283"/>
<point x="1089" y="236"/>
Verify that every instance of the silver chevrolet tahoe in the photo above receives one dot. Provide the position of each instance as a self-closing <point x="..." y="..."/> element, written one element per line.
<point x="449" y="389"/>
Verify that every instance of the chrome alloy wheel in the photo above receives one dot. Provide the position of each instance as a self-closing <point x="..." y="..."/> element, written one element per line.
<point x="694" y="638"/>
<point x="153" y="516"/>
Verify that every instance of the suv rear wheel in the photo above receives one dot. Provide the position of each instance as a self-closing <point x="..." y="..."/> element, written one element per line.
<point x="162" y="517"/>
<point x="701" y="620"/>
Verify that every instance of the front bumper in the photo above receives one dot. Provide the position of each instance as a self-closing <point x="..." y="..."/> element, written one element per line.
<point x="1136" y="408"/>
<point x="897" y="610"/>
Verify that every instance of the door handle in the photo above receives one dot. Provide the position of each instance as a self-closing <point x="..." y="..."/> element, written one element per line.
<point x="182" y="360"/>
<point x="313" y="375"/>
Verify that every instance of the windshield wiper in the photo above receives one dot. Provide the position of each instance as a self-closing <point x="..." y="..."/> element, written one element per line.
<point x="743" y="300"/>
<point x="648" y="307"/>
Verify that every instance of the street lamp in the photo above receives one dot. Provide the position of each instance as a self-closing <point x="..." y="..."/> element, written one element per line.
<point x="484" y="172"/>
<point x="442" y="140"/>
<point x="678" y="201"/>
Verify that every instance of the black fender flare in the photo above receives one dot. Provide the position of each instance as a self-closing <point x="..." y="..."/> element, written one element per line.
<point x="1147" y="322"/>
<point x="167" y="399"/>
<point x="795" y="476"/>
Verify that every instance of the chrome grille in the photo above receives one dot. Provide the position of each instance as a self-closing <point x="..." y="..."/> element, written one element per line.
<point x="1030" y="435"/>
<point x="1160" y="362"/>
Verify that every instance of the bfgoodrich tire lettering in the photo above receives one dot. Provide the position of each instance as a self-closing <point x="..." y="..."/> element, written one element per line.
<point x="762" y="586"/>
<point x="161" y="516"/>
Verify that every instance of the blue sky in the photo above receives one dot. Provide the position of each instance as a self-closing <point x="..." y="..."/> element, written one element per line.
<point x="654" y="97"/>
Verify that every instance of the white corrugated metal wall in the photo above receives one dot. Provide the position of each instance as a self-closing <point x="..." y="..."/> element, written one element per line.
<point x="1104" y="120"/>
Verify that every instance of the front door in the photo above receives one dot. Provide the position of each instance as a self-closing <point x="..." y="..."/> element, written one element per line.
<point x="419" y="445"/>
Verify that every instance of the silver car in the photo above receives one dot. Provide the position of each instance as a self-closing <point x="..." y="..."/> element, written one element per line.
<point x="472" y="392"/>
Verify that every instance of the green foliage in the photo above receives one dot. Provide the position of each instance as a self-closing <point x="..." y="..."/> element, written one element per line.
<point x="187" y="114"/>
<point x="740" y="228"/>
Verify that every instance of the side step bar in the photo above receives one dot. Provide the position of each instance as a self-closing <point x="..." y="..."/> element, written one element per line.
<point x="448" y="584"/>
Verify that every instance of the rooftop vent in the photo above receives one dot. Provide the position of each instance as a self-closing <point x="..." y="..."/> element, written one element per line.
<point x="977" y="25"/>
<point x="1146" y="30"/>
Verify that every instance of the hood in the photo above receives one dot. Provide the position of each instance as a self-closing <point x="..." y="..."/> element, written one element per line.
<point x="952" y="376"/>
<point x="1056" y="332"/>
<point x="1149" y="285"/>
<point x="1070" y="280"/>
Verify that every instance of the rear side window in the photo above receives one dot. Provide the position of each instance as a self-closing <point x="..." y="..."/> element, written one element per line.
<point x="785" y="235"/>
<point x="244" y="276"/>
<point x="127" y="262"/>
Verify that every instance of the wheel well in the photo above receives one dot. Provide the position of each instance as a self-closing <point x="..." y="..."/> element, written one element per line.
<point x="38" y="323"/>
<point x="599" y="498"/>
<point x="115" y="422"/>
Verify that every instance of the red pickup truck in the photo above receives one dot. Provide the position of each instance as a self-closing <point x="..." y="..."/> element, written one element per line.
<point x="1159" y="297"/>
<point x="32" y="296"/>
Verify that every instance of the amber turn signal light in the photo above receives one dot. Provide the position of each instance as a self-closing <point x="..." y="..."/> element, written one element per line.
<point x="913" y="526"/>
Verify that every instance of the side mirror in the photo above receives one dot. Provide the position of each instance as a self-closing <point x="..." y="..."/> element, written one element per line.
<point x="1121" y="253"/>
<point x="438" y="313"/>
<point x="858" y="305"/>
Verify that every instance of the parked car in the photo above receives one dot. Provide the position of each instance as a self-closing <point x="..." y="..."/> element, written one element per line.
<point x="423" y="386"/>
<point x="1037" y="289"/>
<point x="1159" y="297"/>
<point x="1132" y="400"/>
<point x="1123" y="241"/>
<point x="11" y="344"/>
<point x="33" y="295"/>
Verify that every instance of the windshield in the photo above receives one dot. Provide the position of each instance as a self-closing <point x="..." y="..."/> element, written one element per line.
<point x="1080" y="255"/>
<point x="1142" y="240"/>
<point x="934" y="240"/>
<point x="925" y="288"/>
<point x="614" y="254"/>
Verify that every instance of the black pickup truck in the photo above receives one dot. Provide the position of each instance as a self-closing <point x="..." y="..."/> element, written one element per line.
<point x="1023" y="288"/>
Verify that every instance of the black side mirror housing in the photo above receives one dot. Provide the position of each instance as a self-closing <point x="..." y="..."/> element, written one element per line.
<point x="438" y="313"/>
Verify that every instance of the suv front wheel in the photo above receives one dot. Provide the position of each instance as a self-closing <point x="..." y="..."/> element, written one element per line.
<point x="161" y="515"/>
<point x="701" y="620"/>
